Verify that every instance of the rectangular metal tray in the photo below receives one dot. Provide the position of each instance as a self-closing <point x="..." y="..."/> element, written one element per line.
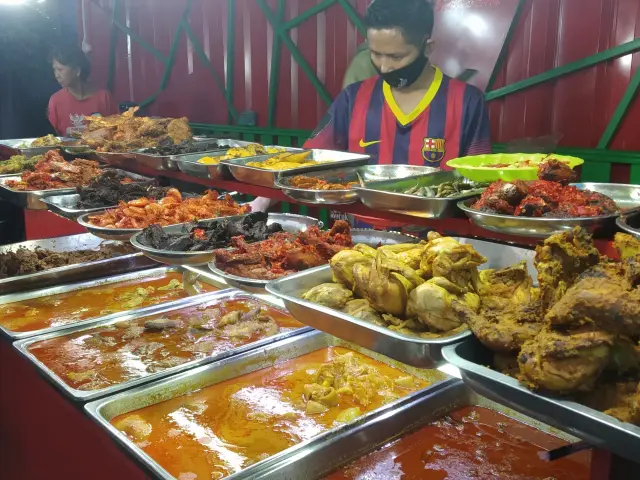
<point x="368" y="173"/>
<point x="267" y="178"/>
<point x="322" y="457"/>
<point x="72" y="273"/>
<point x="168" y="308"/>
<point x="28" y="152"/>
<point x="412" y="350"/>
<point x="387" y="195"/>
<point x="104" y="410"/>
<point x="71" y="287"/>
<point x="595" y="427"/>
<point x="32" y="199"/>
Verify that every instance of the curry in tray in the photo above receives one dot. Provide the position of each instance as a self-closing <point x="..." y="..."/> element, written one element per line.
<point x="112" y="354"/>
<point x="224" y="428"/>
<point x="67" y="308"/>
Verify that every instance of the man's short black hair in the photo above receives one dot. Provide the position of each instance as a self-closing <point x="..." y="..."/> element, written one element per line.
<point x="414" y="18"/>
<point x="70" y="55"/>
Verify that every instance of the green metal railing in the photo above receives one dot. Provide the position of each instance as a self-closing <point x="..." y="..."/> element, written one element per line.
<point x="598" y="161"/>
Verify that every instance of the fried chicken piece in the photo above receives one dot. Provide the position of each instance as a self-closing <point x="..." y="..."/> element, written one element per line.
<point x="619" y="399"/>
<point x="179" y="130"/>
<point x="560" y="259"/>
<point x="565" y="362"/>
<point x="603" y="298"/>
<point x="556" y="171"/>
<point x="510" y="310"/>
<point x="626" y="245"/>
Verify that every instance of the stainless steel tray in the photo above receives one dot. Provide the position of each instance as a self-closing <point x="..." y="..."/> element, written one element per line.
<point x="368" y="173"/>
<point x="172" y="162"/>
<point x="290" y="223"/>
<point x="591" y="425"/>
<point x="71" y="273"/>
<point x="71" y="287"/>
<point x="387" y="195"/>
<point x="28" y="199"/>
<point x="168" y="308"/>
<point x="258" y="176"/>
<point x="106" y="409"/>
<point x="66" y="205"/>
<point x="626" y="196"/>
<point x="370" y="237"/>
<point x="412" y="350"/>
<point x="630" y="224"/>
<point x="321" y="457"/>
<point x="13" y="144"/>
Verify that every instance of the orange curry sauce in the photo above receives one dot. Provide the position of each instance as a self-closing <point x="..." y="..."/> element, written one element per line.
<point x="471" y="443"/>
<point x="71" y="307"/>
<point x="223" y="428"/>
<point x="99" y="357"/>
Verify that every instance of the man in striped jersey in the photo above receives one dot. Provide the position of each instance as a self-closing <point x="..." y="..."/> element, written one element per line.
<point x="411" y="113"/>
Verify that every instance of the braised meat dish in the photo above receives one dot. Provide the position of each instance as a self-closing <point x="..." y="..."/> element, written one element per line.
<point x="210" y="236"/>
<point x="311" y="183"/>
<point x="548" y="197"/>
<point x="126" y="132"/>
<point x="53" y="171"/>
<point x="283" y="253"/>
<point x="170" y="210"/>
<point x="25" y="262"/>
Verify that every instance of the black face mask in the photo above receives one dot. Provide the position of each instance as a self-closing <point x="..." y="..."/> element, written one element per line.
<point x="405" y="76"/>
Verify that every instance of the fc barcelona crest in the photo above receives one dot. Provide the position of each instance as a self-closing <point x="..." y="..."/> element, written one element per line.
<point x="433" y="150"/>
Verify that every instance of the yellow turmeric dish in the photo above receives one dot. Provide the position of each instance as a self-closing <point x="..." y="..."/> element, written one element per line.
<point x="285" y="161"/>
<point x="222" y="429"/>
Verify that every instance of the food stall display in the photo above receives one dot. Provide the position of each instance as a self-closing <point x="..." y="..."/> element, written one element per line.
<point x="92" y="361"/>
<point x="52" y="309"/>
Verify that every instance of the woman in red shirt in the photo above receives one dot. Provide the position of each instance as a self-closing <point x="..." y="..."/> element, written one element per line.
<point x="78" y="97"/>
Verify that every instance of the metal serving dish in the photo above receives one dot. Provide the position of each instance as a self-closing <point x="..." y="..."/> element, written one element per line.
<point x="626" y="196"/>
<point x="96" y="282"/>
<point x="595" y="427"/>
<point x="267" y="178"/>
<point x="31" y="199"/>
<point x="13" y="147"/>
<point x="170" y="162"/>
<point x="630" y="224"/>
<point x="387" y="195"/>
<point x="323" y="456"/>
<point x="367" y="236"/>
<point x="66" y="205"/>
<point x="290" y="223"/>
<point x="167" y="308"/>
<point x="71" y="273"/>
<point x="106" y="409"/>
<point x="412" y="350"/>
<point x="368" y="173"/>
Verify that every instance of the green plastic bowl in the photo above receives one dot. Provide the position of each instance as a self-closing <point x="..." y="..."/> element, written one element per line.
<point x="474" y="168"/>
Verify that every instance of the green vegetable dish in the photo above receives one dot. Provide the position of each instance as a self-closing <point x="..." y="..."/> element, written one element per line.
<point x="447" y="189"/>
<point x="18" y="163"/>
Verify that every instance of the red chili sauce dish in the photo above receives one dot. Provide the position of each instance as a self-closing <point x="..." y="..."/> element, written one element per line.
<point x="470" y="443"/>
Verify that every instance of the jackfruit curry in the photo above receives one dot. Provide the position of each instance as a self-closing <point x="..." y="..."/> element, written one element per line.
<point x="223" y="428"/>
<point x="103" y="356"/>
<point x="473" y="442"/>
<point x="67" y="308"/>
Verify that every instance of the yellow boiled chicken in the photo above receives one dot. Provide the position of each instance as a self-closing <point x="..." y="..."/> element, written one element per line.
<point x="342" y="263"/>
<point x="386" y="283"/>
<point x="446" y="257"/>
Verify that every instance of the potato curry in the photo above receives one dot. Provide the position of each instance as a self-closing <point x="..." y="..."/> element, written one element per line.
<point x="224" y="428"/>
<point x="67" y="308"/>
<point x="97" y="358"/>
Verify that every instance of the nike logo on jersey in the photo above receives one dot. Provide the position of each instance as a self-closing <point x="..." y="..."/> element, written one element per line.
<point x="364" y="144"/>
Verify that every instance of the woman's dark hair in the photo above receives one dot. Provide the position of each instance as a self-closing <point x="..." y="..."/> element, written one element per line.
<point x="71" y="56"/>
<point x="414" y="18"/>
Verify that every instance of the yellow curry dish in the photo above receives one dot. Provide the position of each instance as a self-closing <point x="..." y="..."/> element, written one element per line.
<point x="285" y="161"/>
<point x="226" y="427"/>
<point x="97" y="358"/>
<point x="71" y="307"/>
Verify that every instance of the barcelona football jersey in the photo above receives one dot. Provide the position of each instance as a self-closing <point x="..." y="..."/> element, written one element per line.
<point x="450" y="121"/>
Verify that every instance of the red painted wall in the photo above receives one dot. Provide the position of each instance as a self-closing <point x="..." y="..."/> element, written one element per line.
<point x="550" y="33"/>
